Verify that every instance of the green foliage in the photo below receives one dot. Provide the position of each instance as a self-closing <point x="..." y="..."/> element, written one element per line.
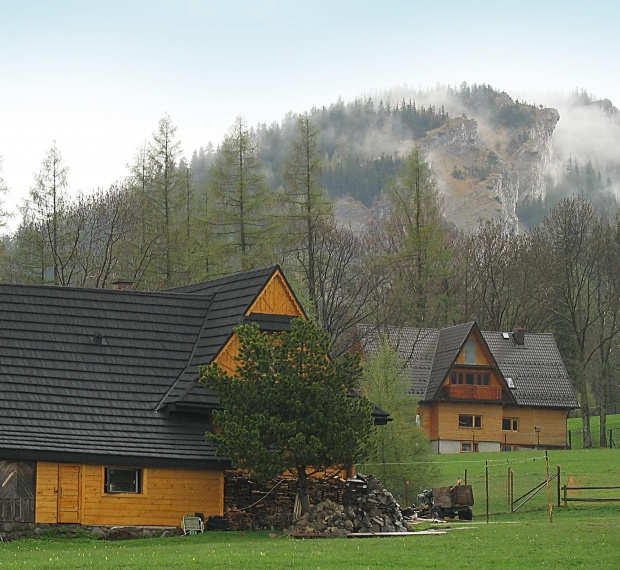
<point x="401" y="447"/>
<point x="289" y="407"/>
<point x="416" y="237"/>
<point x="240" y="202"/>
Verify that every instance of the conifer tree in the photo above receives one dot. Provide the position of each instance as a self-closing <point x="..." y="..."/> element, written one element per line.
<point x="288" y="407"/>
<point x="240" y="201"/>
<point x="307" y="205"/>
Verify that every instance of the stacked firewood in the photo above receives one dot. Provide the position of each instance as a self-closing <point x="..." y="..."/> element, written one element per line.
<point x="270" y="505"/>
<point x="366" y="508"/>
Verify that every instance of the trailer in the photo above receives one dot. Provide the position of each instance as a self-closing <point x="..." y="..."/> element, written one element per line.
<point x="446" y="502"/>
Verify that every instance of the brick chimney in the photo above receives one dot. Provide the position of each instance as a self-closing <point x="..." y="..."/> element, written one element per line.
<point x="518" y="336"/>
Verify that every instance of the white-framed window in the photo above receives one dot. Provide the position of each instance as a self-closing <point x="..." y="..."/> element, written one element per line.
<point x="123" y="480"/>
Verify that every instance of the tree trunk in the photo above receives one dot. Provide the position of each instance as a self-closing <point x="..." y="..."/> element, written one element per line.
<point x="302" y="486"/>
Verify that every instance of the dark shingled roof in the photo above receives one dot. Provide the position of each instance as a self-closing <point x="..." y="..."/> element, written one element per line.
<point x="536" y="368"/>
<point x="86" y="373"/>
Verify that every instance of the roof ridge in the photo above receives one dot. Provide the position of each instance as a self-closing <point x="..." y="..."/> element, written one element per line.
<point x="189" y="359"/>
<point x="163" y="293"/>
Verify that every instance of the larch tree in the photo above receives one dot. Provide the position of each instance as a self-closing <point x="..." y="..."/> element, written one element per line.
<point x="166" y="192"/>
<point x="44" y="215"/>
<point x="400" y="447"/>
<point x="240" y="201"/>
<point x="308" y="209"/>
<point x="289" y="407"/>
<point x="415" y="240"/>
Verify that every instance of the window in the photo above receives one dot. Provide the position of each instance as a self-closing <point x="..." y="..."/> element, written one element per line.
<point x="469" y="379"/>
<point x="123" y="480"/>
<point x="453" y="378"/>
<point x="469" y="421"/>
<point x="470" y="351"/>
<point x="468" y="446"/>
<point x="485" y="379"/>
<point x="510" y="424"/>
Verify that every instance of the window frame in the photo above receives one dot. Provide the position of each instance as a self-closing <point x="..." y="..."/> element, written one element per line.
<point x="473" y="446"/>
<point x="138" y="487"/>
<point x="513" y="425"/>
<point x="475" y="419"/>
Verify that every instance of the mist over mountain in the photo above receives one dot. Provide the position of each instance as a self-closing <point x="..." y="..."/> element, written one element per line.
<point x="494" y="157"/>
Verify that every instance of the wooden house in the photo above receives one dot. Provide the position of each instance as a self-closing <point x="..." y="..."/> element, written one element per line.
<point x="483" y="391"/>
<point x="102" y="417"/>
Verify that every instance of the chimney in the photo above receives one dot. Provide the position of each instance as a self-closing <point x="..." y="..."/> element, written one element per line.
<point x="121" y="284"/>
<point x="518" y="335"/>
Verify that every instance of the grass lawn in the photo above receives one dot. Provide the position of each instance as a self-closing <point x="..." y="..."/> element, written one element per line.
<point x="582" y="535"/>
<point x="574" y="425"/>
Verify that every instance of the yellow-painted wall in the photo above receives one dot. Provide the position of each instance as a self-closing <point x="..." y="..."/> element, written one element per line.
<point x="167" y="496"/>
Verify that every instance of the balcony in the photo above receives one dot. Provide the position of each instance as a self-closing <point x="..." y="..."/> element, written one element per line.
<point x="475" y="392"/>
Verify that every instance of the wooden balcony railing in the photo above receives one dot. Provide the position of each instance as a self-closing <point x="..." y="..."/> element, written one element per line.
<point x="469" y="392"/>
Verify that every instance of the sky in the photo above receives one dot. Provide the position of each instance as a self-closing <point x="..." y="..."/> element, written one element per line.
<point x="95" y="76"/>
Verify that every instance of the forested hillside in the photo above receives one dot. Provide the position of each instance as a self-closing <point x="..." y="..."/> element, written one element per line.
<point x="440" y="242"/>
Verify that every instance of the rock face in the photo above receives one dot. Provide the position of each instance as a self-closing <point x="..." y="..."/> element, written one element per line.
<point x="483" y="170"/>
<point x="366" y="507"/>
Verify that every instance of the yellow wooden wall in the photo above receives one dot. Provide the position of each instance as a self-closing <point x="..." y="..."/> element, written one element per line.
<point x="441" y="421"/>
<point x="483" y="356"/>
<point x="167" y="496"/>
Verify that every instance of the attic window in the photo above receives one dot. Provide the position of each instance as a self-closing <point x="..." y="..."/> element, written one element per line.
<point x="98" y="338"/>
<point x="123" y="480"/>
<point x="505" y="336"/>
<point x="510" y="382"/>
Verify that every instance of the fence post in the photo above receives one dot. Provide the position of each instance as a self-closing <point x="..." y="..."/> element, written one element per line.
<point x="611" y="438"/>
<point x="486" y="470"/>
<point x="466" y="476"/>
<point x="570" y="440"/>
<point x="565" y="495"/>
<point x="508" y="487"/>
<point x="558" y="477"/>
<point x="548" y="489"/>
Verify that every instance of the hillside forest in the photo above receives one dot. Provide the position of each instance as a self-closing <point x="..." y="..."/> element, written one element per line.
<point x="266" y="195"/>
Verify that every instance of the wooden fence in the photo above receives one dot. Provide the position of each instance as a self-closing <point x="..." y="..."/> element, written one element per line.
<point x="566" y="489"/>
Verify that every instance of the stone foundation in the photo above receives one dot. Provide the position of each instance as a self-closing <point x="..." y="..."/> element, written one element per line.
<point x="15" y="530"/>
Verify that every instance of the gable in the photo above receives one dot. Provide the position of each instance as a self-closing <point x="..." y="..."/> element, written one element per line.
<point x="276" y="299"/>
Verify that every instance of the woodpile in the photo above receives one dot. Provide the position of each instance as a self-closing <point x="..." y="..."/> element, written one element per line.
<point x="270" y="505"/>
<point x="367" y="507"/>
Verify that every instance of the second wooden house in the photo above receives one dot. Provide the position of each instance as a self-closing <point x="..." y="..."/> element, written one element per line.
<point x="483" y="391"/>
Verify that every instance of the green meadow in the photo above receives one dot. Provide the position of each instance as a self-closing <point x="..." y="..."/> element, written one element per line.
<point x="582" y="535"/>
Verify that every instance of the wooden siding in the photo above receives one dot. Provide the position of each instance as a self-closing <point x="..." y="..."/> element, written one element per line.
<point x="483" y="356"/>
<point x="474" y="392"/>
<point x="551" y="422"/>
<point x="167" y="496"/>
<point x="226" y="358"/>
<point x="276" y="299"/>
<point x="443" y="424"/>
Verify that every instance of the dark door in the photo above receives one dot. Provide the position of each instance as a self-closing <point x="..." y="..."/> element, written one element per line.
<point x="17" y="490"/>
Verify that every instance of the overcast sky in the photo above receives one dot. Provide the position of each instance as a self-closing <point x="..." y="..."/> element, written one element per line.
<point x="96" y="75"/>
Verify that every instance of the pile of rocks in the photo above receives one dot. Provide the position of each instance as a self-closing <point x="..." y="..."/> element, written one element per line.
<point x="367" y="508"/>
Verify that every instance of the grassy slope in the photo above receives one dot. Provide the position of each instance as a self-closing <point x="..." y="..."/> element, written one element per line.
<point x="582" y="535"/>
